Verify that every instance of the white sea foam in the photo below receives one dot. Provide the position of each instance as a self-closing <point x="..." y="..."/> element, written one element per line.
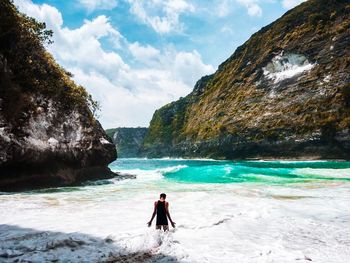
<point x="332" y="173"/>
<point x="143" y="174"/>
<point x="215" y="222"/>
<point x="151" y="174"/>
<point x="182" y="159"/>
<point x="171" y="168"/>
<point x="287" y="161"/>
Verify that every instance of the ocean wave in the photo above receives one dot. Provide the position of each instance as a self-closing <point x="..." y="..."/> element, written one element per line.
<point x="288" y="161"/>
<point x="172" y="169"/>
<point x="330" y="173"/>
<point x="152" y="174"/>
<point x="167" y="158"/>
<point x="142" y="174"/>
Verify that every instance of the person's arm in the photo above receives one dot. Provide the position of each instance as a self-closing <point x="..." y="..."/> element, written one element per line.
<point x="153" y="215"/>
<point x="168" y="214"/>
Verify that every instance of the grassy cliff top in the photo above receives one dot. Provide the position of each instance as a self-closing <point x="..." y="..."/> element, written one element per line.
<point x="27" y="69"/>
<point x="241" y="103"/>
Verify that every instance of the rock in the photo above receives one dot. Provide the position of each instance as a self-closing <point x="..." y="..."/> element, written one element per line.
<point x="48" y="134"/>
<point x="69" y="242"/>
<point x="10" y="254"/>
<point x="109" y="239"/>
<point x="307" y="258"/>
<point x="123" y="176"/>
<point x="128" y="140"/>
<point x="285" y="93"/>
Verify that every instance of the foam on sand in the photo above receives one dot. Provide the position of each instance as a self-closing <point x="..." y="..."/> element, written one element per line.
<point x="240" y="222"/>
<point x="331" y="173"/>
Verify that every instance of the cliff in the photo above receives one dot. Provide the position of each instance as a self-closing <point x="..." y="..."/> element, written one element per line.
<point x="128" y="140"/>
<point x="285" y="93"/>
<point x="48" y="134"/>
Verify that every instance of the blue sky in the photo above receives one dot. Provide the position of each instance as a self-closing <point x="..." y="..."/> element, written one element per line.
<point x="134" y="56"/>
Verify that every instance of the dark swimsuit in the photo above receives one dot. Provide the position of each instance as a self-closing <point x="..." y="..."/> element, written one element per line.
<point x="161" y="214"/>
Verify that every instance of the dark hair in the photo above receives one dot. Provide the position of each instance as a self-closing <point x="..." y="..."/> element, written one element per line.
<point x="163" y="195"/>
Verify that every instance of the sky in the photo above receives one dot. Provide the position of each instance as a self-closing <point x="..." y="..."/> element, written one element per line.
<point x="134" y="56"/>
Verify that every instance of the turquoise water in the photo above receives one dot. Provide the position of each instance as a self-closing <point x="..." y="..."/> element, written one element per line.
<point x="234" y="211"/>
<point x="212" y="171"/>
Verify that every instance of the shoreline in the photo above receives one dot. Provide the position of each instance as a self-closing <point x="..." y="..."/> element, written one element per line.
<point x="279" y="217"/>
<point x="301" y="159"/>
<point x="49" y="246"/>
<point x="96" y="181"/>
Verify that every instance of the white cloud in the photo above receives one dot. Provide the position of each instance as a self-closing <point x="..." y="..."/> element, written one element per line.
<point x="187" y="65"/>
<point x="92" y="5"/>
<point x="128" y="92"/>
<point x="226" y="30"/>
<point x="162" y="15"/>
<point x="47" y="13"/>
<point x="288" y="4"/>
<point x="145" y="54"/>
<point x="223" y="8"/>
<point x="253" y="9"/>
<point x="82" y="48"/>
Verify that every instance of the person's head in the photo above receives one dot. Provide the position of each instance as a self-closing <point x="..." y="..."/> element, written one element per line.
<point x="162" y="196"/>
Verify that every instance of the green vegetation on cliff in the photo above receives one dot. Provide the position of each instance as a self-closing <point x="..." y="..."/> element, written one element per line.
<point x="48" y="133"/>
<point x="32" y="68"/>
<point x="283" y="93"/>
<point x="127" y="140"/>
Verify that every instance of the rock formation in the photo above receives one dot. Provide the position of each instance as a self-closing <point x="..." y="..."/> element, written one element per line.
<point x="285" y="93"/>
<point x="128" y="141"/>
<point x="48" y="134"/>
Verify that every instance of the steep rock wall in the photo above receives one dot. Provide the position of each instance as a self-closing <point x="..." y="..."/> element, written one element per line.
<point x="282" y="94"/>
<point x="48" y="134"/>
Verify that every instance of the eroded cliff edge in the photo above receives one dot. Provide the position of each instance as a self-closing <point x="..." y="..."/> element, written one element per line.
<point x="128" y="140"/>
<point x="285" y="93"/>
<point x="48" y="134"/>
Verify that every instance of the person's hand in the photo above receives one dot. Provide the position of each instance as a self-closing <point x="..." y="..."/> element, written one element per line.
<point x="173" y="224"/>
<point x="149" y="224"/>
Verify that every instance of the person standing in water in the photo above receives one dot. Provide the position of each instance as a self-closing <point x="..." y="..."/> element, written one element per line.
<point x="161" y="209"/>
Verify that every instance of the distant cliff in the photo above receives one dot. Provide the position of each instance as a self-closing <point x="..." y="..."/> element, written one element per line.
<point x="285" y="93"/>
<point x="127" y="140"/>
<point x="48" y="134"/>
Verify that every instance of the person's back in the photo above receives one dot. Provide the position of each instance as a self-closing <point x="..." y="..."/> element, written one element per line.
<point x="161" y="209"/>
<point x="162" y="219"/>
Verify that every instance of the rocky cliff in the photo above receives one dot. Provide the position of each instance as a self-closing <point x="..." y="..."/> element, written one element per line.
<point x="285" y="93"/>
<point x="48" y="134"/>
<point x="128" y="141"/>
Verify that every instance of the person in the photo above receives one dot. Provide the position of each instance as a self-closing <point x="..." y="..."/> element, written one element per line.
<point x="161" y="209"/>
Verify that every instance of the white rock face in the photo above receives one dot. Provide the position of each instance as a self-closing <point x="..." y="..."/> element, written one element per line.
<point x="59" y="145"/>
<point x="327" y="78"/>
<point x="284" y="66"/>
<point x="66" y="135"/>
<point x="53" y="142"/>
<point x="104" y="141"/>
<point x="4" y="135"/>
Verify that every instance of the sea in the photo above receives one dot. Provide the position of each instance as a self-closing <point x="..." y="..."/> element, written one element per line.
<point x="225" y="211"/>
